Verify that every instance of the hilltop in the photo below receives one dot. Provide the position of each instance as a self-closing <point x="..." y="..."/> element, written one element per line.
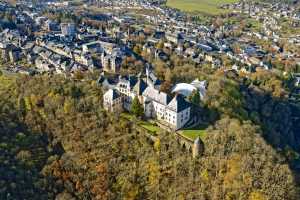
<point x="57" y="142"/>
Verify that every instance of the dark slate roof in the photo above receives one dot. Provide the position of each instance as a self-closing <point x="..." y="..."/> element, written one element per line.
<point x="132" y="80"/>
<point x="153" y="80"/>
<point x="178" y="104"/>
<point x="107" y="82"/>
<point x="140" y="87"/>
<point x="113" y="94"/>
<point x="159" y="34"/>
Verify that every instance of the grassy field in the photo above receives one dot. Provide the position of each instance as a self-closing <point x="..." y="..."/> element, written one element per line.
<point x="210" y="7"/>
<point x="144" y="124"/>
<point x="193" y="133"/>
<point x="150" y="127"/>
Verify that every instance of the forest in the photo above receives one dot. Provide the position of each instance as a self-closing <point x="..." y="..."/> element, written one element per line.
<point x="57" y="142"/>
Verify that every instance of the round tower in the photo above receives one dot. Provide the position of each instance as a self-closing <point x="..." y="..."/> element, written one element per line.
<point x="197" y="148"/>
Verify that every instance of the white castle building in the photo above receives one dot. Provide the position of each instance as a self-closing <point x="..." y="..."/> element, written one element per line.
<point x="175" y="113"/>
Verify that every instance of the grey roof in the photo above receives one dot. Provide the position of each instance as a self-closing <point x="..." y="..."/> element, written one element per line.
<point x="140" y="87"/>
<point x="178" y="104"/>
<point x="156" y="95"/>
<point x="112" y="80"/>
<point x="153" y="80"/>
<point x="93" y="44"/>
<point x="46" y="54"/>
<point x="132" y="80"/>
<point x="3" y="45"/>
<point x="107" y="84"/>
<point x="28" y="45"/>
<point x="197" y="141"/>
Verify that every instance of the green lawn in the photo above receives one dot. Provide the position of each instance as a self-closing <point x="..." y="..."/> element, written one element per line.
<point x="144" y="124"/>
<point x="150" y="127"/>
<point x="210" y="7"/>
<point x="194" y="132"/>
<point x="127" y="116"/>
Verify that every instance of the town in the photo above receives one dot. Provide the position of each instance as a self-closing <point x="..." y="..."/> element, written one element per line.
<point x="150" y="99"/>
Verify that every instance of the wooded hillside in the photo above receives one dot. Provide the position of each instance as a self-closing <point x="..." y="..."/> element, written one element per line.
<point x="56" y="141"/>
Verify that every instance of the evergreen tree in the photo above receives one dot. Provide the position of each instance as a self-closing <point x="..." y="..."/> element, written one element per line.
<point x="137" y="108"/>
<point x="195" y="97"/>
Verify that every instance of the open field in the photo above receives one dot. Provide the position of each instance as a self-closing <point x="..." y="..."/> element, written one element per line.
<point x="210" y="7"/>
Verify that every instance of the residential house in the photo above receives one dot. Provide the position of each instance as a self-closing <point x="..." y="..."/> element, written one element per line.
<point x="51" y="25"/>
<point x="175" y="38"/>
<point x="68" y="29"/>
<point x="92" y="47"/>
<point x="111" y="63"/>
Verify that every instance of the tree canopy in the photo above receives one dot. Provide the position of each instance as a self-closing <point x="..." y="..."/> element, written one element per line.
<point x="56" y="141"/>
<point x="137" y="108"/>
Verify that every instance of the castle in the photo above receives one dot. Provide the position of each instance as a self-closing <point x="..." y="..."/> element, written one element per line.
<point x="174" y="112"/>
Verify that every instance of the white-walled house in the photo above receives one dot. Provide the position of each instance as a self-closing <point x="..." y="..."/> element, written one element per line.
<point x="175" y="112"/>
<point x="155" y="103"/>
<point x="113" y="101"/>
<point x="178" y="112"/>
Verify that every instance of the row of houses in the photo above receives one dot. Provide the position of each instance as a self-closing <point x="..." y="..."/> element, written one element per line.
<point x="49" y="51"/>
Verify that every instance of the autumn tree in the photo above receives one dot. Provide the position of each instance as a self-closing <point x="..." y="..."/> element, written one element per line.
<point x="224" y="94"/>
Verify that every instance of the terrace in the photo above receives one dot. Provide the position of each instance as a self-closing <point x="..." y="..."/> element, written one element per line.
<point x="149" y="126"/>
<point x="193" y="133"/>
